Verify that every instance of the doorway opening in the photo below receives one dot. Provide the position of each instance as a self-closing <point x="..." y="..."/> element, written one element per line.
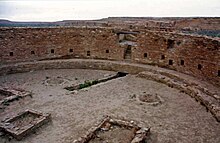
<point x="127" y="53"/>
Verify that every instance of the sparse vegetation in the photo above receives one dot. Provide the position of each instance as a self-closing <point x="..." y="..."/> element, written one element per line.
<point x="86" y="84"/>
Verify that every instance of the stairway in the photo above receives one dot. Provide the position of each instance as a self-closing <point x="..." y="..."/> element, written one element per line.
<point x="127" y="54"/>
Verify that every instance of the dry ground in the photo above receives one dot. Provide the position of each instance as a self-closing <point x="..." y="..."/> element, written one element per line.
<point x="178" y="119"/>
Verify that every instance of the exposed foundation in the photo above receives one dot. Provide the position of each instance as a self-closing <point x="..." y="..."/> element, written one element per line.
<point x="172" y="87"/>
<point x="8" y="95"/>
<point x="172" y="115"/>
<point x="123" y="131"/>
<point x="24" y="123"/>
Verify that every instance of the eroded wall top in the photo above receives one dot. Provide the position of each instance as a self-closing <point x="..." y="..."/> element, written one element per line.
<point x="195" y="55"/>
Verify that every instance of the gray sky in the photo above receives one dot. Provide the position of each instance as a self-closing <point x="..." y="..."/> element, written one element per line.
<point x="48" y="10"/>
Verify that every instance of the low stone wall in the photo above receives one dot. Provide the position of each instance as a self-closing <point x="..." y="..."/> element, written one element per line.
<point x="17" y="127"/>
<point x="202" y="95"/>
<point x="139" y="134"/>
<point x="71" y="64"/>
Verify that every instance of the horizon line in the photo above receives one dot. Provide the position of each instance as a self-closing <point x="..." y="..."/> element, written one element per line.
<point x="11" y="20"/>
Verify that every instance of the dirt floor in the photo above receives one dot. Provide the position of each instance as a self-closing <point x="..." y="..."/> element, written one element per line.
<point x="24" y="120"/>
<point x="114" y="135"/>
<point x="179" y="118"/>
<point x="2" y="96"/>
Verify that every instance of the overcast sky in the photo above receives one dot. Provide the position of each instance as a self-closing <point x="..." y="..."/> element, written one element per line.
<point x="48" y="10"/>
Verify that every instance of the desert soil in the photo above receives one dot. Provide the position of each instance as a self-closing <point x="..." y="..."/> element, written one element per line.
<point x="179" y="118"/>
<point x="24" y="120"/>
<point x="114" y="135"/>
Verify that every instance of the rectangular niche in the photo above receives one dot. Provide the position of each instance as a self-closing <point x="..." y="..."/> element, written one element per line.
<point x="32" y="52"/>
<point x="115" y="130"/>
<point x="170" y="44"/>
<point x="24" y="123"/>
<point x="71" y="50"/>
<point x="11" y="54"/>
<point x="52" y="51"/>
<point x="88" y="53"/>
<point x="182" y="62"/>
<point x="170" y="62"/>
<point x="199" y="67"/>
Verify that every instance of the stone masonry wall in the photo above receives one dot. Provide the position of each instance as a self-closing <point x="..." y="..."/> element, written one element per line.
<point x="197" y="56"/>
<point x="43" y="43"/>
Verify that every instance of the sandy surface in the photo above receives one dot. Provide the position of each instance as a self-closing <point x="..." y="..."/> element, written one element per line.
<point x="115" y="135"/>
<point x="178" y="119"/>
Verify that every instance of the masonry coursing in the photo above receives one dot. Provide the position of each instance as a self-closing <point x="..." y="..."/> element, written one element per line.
<point x="194" y="55"/>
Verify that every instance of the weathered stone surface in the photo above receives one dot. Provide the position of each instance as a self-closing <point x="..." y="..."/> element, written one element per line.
<point x="195" y="55"/>
<point x="139" y="134"/>
<point x="206" y="98"/>
<point x="19" y="129"/>
<point x="11" y="94"/>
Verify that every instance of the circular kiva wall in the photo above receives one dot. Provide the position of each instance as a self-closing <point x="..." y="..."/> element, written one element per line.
<point x="204" y="93"/>
<point x="193" y="55"/>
